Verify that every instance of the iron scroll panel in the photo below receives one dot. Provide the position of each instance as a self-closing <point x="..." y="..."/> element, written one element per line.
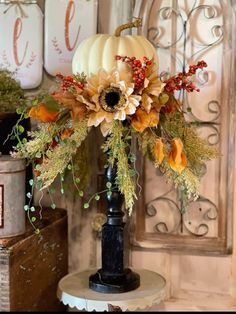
<point x="184" y="32"/>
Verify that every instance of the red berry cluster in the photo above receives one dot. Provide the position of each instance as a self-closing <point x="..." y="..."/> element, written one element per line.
<point x="181" y="80"/>
<point x="194" y="67"/>
<point x="68" y="82"/>
<point x="139" y="69"/>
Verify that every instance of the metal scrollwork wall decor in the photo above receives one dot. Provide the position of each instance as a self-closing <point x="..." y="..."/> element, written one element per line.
<point x="184" y="32"/>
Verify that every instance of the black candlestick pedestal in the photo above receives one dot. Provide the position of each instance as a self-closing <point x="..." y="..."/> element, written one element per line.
<point x="113" y="277"/>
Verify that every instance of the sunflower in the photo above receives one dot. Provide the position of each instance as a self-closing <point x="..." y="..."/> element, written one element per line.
<point x="108" y="98"/>
<point x="151" y="90"/>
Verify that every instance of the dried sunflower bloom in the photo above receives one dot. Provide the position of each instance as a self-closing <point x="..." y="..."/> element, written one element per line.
<point x="107" y="99"/>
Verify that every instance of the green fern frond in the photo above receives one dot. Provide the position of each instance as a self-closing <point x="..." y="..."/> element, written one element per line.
<point x="56" y="160"/>
<point x="116" y="145"/>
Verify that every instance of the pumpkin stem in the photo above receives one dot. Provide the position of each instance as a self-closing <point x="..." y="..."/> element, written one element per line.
<point x="136" y="23"/>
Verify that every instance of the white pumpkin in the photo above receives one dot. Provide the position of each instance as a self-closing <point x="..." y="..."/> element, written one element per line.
<point x="99" y="51"/>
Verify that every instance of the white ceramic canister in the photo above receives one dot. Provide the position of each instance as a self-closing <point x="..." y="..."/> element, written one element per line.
<point x="12" y="196"/>
<point x="21" y="41"/>
<point x="66" y="24"/>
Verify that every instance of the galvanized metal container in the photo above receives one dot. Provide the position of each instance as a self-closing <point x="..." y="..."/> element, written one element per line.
<point x="12" y="196"/>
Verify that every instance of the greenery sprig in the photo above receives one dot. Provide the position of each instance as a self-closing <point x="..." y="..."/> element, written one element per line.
<point x="11" y="93"/>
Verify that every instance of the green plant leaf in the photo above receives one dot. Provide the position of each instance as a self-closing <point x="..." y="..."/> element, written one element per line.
<point x="21" y="129"/>
<point x="163" y="98"/>
<point x="108" y="185"/>
<point x="97" y="197"/>
<point x="109" y="193"/>
<point x="51" y="104"/>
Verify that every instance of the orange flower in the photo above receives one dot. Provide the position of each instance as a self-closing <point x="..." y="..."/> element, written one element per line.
<point x="177" y="158"/>
<point x="171" y="106"/>
<point x="66" y="133"/>
<point x="68" y="100"/>
<point x="158" y="151"/>
<point x="153" y="118"/>
<point x="142" y="120"/>
<point x="78" y="112"/>
<point x="41" y="113"/>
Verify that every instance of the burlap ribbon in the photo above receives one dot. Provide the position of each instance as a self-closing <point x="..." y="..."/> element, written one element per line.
<point x="18" y="6"/>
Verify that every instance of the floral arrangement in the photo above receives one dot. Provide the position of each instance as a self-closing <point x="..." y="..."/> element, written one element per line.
<point x="144" y="108"/>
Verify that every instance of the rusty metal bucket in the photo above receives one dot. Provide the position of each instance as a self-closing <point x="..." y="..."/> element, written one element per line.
<point x="12" y="196"/>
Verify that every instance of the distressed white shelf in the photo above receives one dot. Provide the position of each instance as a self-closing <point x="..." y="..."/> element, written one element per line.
<point x="74" y="291"/>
